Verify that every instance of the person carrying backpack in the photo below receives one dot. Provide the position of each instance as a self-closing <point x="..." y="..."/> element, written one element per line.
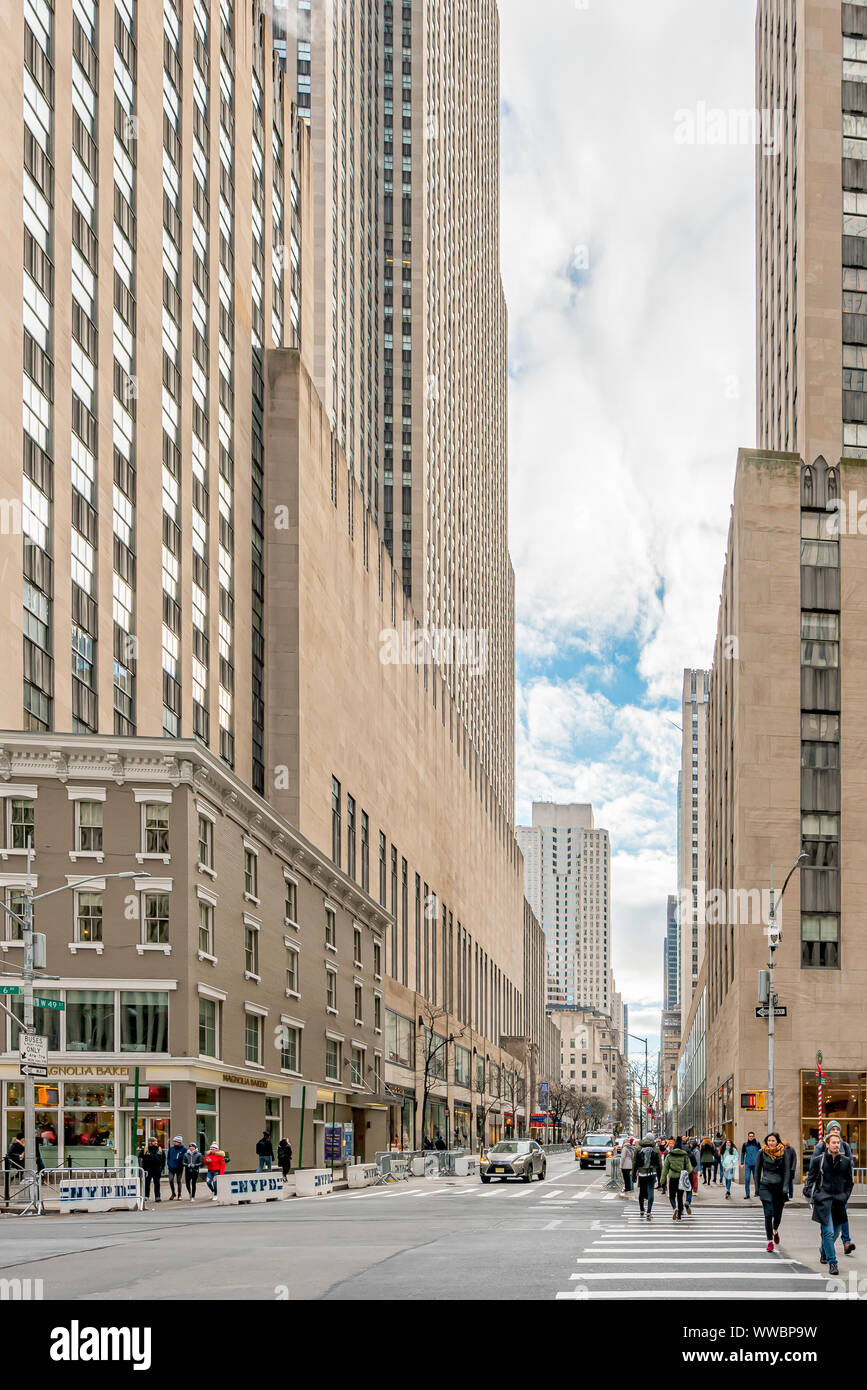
<point x="677" y="1170"/>
<point x="648" y="1172"/>
<point x="265" y="1150"/>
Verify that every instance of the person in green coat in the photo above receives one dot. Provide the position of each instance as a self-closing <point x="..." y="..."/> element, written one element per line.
<point x="677" y="1161"/>
<point x="707" y="1156"/>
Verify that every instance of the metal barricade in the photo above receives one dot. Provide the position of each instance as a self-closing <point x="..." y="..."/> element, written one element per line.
<point x="50" y="1180"/>
<point x="615" y="1174"/>
<point x="393" y="1166"/>
<point x="448" y="1160"/>
<point x="20" y="1192"/>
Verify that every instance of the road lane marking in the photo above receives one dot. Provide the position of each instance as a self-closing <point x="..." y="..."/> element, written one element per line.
<point x="690" y="1294"/>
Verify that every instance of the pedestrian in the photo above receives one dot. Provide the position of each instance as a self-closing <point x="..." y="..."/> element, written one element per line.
<point x="153" y="1161"/>
<point x="694" y="1151"/>
<point x="707" y="1159"/>
<point x="440" y="1143"/>
<point x="773" y="1169"/>
<point x="749" y="1153"/>
<point x="676" y="1171"/>
<point x="215" y="1162"/>
<point x="284" y="1157"/>
<point x="16" y="1151"/>
<point x="829" y="1186"/>
<point x="718" y="1143"/>
<point x="265" y="1150"/>
<point x="627" y="1160"/>
<point x="648" y="1172"/>
<point x="845" y="1148"/>
<point x="175" y="1164"/>
<point x="728" y="1164"/>
<point x="193" y="1160"/>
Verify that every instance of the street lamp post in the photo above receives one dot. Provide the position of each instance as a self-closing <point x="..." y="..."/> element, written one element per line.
<point x="775" y="936"/>
<point x="25" y="921"/>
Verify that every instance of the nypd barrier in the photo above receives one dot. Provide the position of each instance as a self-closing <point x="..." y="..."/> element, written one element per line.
<point x="91" y="1189"/>
<point x="313" y="1182"/>
<point x="362" y="1174"/>
<point x="235" y="1188"/>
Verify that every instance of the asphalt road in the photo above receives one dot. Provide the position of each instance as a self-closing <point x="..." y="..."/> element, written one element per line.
<point x="567" y="1238"/>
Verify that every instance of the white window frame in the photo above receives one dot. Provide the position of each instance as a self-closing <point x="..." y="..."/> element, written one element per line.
<point x="218" y="998"/>
<point x="289" y="879"/>
<point x="260" y="1014"/>
<point x="15" y="793"/>
<point x="76" y="795"/>
<point x="209" y="900"/>
<point x="205" y="813"/>
<point x="330" y="916"/>
<point x="298" y="1025"/>
<point x="293" y="950"/>
<point x="251" y="848"/>
<point x="252" y="924"/>
<point x="331" y="972"/>
<point x="156" y="798"/>
<point x="145" y="887"/>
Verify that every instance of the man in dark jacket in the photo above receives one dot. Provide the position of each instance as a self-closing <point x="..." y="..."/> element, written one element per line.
<point x="848" y="1242"/>
<point x="829" y="1186"/>
<point x="718" y="1146"/>
<point x="153" y="1161"/>
<point x="265" y="1150"/>
<point x="16" y="1151"/>
<point x="749" y="1154"/>
<point x="647" y="1172"/>
<point x="175" y="1164"/>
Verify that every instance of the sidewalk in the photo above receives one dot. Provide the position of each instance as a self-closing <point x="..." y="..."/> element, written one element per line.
<point x="799" y="1233"/>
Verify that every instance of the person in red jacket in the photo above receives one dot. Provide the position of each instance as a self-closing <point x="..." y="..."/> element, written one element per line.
<point x="215" y="1162"/>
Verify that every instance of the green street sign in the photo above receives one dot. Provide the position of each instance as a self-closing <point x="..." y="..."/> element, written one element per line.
<point x="10" y="989"/>
<point x="48" y="1003"/>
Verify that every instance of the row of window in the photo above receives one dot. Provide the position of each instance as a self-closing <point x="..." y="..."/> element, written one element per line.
<point x="287" y="1040"/>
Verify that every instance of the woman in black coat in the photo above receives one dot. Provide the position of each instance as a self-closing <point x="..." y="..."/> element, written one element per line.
<point x="284" y="1157"/>
<point x="774" y="1168"/>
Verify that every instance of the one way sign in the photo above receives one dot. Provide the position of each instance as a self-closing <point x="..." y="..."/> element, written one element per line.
<point x="780" y="1011"/>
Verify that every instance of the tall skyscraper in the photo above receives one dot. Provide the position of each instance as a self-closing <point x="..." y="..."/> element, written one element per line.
<point x="692" y="785"/>
<point x="567" y="874"/>
<point x="411" y="332"/>
<point x="811" y="80"/>
<point x="670" y="965"/>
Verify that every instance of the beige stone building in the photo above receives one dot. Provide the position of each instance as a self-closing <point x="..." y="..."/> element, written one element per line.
<point x="237" y="969"/>
<point x="177" y="256"/>
<point x="592" y="1061"/>
<point x="785" y="770"/>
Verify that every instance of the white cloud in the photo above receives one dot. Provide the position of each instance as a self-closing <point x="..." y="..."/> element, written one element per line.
<point x="628" y="265"/>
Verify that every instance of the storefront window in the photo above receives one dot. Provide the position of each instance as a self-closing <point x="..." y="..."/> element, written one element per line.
<point x="88" y="1138"/>
<point x="144" y="1019"/>
<point x="272" y="1120"/>
<point x="206" y="1117"/>
<point x="89" y="1020"/>
<point x="463" y="1127"/>
<point x="435" y="1120"/>
<point x="844" y="1098"/>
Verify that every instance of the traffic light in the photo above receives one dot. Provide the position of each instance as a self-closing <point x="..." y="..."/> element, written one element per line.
<point x="754" y="1100"/>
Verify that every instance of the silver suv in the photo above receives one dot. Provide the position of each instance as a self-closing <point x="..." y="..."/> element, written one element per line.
<point x="514" y="1158"/>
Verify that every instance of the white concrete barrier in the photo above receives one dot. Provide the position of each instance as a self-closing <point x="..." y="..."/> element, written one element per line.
<point x="362" y="1174"/>
<point x="466" y="1166"/>
<point x="113" y="1191"/>
<point x="426" y="1166"/>
<point x="235" y="1188"/>
<point x="313" y="1182"/>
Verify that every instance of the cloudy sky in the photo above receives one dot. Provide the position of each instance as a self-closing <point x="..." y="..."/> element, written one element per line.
<point x="628" y="267"/>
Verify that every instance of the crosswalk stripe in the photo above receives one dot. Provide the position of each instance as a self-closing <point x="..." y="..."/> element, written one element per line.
<point x="696" y="1274"/>
<point x="686" y="1260"/>
<point x="590" y="1295"/>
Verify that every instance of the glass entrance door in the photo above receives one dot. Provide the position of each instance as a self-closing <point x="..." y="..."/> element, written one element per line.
<point x="149" y="1127"/>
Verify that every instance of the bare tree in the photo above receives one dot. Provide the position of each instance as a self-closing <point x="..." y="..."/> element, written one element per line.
<point x="513" y="1094"/>
<point x="432" y="1051"/>
<point x="562" y="1099"/>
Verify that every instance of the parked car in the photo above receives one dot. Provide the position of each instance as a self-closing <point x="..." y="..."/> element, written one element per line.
<point x="514" y="1158"/>
<point x="594" y="1150"/>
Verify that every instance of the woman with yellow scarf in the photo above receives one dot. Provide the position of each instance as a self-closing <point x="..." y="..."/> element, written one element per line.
<point x="774" y="1168"/>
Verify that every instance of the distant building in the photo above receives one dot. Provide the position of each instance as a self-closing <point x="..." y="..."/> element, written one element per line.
<point x="567" y="882"/>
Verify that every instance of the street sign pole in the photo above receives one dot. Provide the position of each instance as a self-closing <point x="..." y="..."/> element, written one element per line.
<point x="772" y="999"/>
